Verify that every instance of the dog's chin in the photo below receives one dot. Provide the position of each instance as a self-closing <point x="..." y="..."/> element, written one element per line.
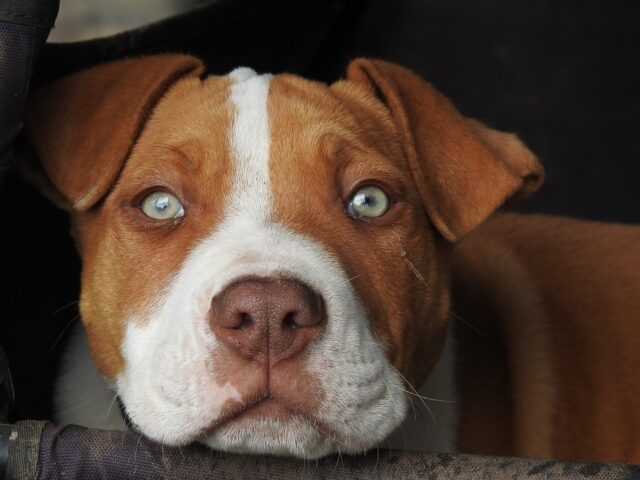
<point x="271" y="428"/>
<point x="294" y="436"/>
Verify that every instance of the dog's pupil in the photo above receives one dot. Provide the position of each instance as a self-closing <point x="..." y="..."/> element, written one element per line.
<point x="162" y="203"/>
<point x="364" y="199"/>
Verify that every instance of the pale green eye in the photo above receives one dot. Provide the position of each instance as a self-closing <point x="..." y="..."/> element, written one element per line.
<point x="162" y="206"/>
<point x="369" y="201"/>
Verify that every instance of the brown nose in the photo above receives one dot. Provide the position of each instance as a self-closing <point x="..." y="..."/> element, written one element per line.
<point x="267" y="319"/>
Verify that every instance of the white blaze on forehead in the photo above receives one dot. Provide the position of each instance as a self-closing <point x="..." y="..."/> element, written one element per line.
<point x="250" y="195"/>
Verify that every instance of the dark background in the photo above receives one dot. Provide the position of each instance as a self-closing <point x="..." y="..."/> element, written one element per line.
<point x="562" y="74"/>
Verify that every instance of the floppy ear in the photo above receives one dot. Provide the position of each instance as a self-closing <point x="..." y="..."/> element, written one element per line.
<point x="82" y="127"/>
<point x="463" y="169"/>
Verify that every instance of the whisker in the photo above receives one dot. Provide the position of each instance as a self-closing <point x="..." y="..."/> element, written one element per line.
<point x="64" y="330"/>
<point x="164" y="459"/>
<point x="418" y="395"/>
<point x="458" y="317"/>
<point x="111" y="405"/>
<point x="412" y="267"/>
<point x="403" y="430"/>
<point x="430" y="399"/>
<point x="393" y="400"/>
<point x="423" y="421"/>
<point x="333" y="470"/>
<point x="349" y="280"/>
<point x="401" y="426"/>
<point x="135" y="457"/>
<point x="359" y="421"/>
<point x="413" y="407"/>
<point x="375" y="468"/>
<point x="75" y="302"/>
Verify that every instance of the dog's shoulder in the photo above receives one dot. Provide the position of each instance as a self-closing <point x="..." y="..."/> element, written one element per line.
<point x="504" y="343"/>
<point x="557" y="303"/>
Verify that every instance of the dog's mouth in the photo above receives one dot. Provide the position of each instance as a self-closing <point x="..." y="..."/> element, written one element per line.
<point x="269" y="407"/>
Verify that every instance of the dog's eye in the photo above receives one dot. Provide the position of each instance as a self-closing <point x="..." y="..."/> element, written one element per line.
<point x="162" y="206"/>
<point x="368" y="201"/>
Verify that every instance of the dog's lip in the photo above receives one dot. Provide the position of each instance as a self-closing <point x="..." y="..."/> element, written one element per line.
<point x="268" y="406"/>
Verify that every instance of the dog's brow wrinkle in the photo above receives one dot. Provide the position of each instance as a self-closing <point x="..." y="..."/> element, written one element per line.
<point x="176" y="150"/>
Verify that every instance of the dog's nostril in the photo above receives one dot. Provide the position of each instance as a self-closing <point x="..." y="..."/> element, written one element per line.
<point x="244" y="321"/>
<point x="289" y="320"/>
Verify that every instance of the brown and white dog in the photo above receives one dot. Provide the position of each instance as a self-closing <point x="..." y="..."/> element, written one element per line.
<point x="269" y="266"/>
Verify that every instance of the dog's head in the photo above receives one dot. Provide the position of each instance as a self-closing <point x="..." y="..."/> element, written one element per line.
<point x="265" y="258"/>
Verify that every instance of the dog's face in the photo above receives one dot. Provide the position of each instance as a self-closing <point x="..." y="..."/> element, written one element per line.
<point x="265" y="258"/>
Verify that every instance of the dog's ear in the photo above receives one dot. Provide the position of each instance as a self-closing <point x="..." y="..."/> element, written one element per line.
<point x="83" y="126"/>
<point x="463" y="169"/>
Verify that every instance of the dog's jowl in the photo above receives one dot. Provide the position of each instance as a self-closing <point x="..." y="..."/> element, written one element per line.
<point x="275" y="265"/>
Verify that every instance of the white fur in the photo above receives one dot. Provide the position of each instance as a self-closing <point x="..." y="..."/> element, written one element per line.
<point x="169" y="384"/>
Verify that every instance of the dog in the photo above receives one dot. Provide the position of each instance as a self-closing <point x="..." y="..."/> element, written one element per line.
<point x="280" y="266"/>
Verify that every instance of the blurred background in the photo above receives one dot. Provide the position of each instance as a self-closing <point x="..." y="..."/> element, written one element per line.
<point x="86" y="19"/>
<point x="563" y="75"/>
